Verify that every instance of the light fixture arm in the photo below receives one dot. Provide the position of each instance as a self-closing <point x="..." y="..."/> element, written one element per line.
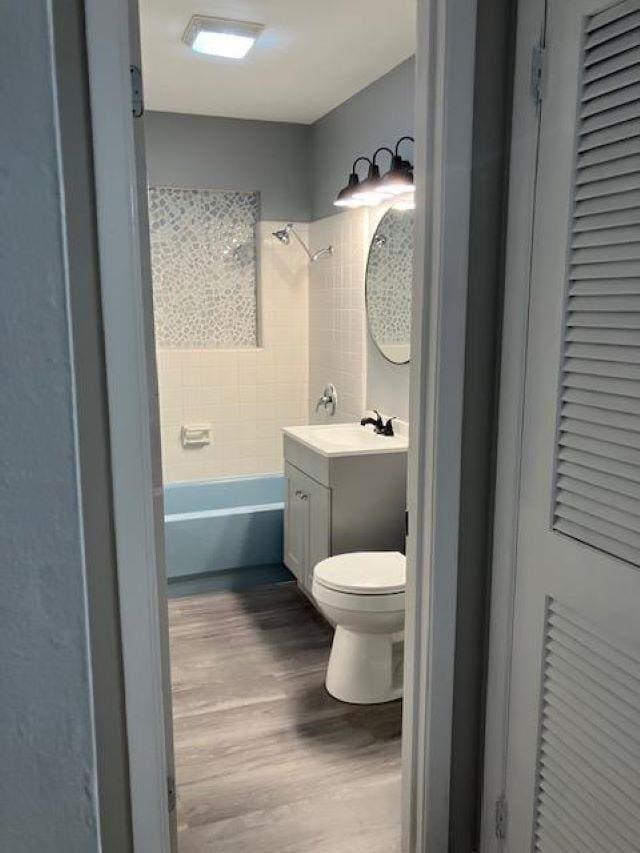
<point x="382" y="148"/>
<point x="360" y="160"/>
<point x="403" y="139"/>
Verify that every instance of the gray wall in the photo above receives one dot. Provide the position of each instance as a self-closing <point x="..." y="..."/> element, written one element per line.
<point x="63" y="752"/>
<point x="377" y="115"/>
<point x="48" y="781"/>
<point x="206" y="152"/>
<point x="298" y="169"/>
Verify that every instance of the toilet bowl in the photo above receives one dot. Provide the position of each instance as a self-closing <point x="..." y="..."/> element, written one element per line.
<point x="362" y="594"/>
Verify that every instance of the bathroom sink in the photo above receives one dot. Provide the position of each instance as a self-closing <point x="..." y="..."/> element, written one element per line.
<point x="347" y="439"/>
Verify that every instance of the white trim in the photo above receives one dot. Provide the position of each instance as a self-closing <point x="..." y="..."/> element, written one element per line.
<point x="124" y="308"/>
<point x="524" y="147"/>
<point x="444" y="122"/>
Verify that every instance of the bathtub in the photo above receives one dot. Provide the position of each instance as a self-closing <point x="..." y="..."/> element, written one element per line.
<point x="224" y="526"/>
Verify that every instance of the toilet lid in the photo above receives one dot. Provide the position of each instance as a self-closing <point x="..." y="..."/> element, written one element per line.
<point x="364" y="572"/>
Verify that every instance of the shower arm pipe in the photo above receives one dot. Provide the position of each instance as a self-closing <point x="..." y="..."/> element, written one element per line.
<point x="300" y="240"/>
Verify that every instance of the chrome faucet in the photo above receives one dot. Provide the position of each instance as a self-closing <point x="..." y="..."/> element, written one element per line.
<point x="378" y="424"/>
<point x="329" y="398"/>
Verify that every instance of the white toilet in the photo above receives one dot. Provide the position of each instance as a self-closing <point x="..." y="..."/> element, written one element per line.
<point x="362" y="593"/>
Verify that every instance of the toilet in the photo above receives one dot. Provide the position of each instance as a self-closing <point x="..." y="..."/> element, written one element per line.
<point x="362" y="594"/>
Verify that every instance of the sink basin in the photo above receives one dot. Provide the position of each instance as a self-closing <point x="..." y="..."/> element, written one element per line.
<point x="346" y="439"/>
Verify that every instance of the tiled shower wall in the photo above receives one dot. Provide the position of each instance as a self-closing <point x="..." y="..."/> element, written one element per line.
<point x="247" y="394"/>
<point x="337" y="322"/>
<point x="203" y="254"/>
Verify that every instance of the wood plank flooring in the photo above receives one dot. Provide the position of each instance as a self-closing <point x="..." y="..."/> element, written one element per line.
<point x="266" y="760"/>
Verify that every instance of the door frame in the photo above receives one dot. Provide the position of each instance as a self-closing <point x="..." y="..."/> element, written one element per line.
<point x="445" y="69"/>
<point x="531" y="19"/>
<point x="133" y="428"/>
<point x="444" y="104"/>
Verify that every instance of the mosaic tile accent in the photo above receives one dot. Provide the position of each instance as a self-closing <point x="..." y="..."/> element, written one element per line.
<point x="389" y="278"/>
<point x="203" y="260"/>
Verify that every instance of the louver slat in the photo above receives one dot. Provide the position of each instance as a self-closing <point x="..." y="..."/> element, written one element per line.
<point x="588" y="785"/>
<point x="597" y="485"/>
<point x="612" y="99"/>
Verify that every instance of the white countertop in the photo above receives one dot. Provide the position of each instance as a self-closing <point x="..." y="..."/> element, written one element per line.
<point x="348" y="439"/>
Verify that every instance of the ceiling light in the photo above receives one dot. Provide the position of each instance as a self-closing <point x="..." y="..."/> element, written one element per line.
<point x="221" y="36"/>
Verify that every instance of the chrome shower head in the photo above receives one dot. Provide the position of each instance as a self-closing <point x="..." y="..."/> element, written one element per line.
<point x="321" y="253"/>
<point x="283" y="234"/>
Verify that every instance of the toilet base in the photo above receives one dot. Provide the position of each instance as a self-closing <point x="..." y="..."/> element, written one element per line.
<point x="362" y="669"/>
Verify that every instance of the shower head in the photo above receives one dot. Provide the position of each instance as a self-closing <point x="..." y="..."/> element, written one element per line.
<point x="321" y="253"/>
<point x="282" y="234"/>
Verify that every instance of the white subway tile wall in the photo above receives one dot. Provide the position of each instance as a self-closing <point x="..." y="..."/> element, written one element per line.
<point x="247" y="395"/>
<point x="337" y="322"/>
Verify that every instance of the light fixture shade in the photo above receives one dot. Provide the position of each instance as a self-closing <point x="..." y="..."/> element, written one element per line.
<point x="399" y="179"/>
<point x="370" y="192"/>
<point x="221" y="36"/>
<point x="345" y="197"/>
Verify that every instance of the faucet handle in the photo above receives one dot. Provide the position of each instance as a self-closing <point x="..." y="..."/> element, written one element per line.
<point x="329" y="398"/>
<point x="387" y="429"/>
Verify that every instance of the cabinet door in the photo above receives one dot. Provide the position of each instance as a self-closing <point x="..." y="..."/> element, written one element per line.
<point x="307" y="524"/>
<point x="296" y="526"/>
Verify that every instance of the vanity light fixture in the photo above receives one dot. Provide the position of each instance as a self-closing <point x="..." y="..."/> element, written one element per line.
<point x="399" y="178"/>
<point x="398" y="181"/>
<point x="346" y="196"/>
<point x="221" y="36"/>
<point x="370" y="191"/>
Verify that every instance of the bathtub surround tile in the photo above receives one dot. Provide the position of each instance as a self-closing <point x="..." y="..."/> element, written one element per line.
<point x="247" y="395"/>
<point x="203" y="259"/>
<point x="337" y="331"/>
<point x="266" y="760"/>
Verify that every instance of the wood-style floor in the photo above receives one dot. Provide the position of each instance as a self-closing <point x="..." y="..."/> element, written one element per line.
<point x="266" y="760"/>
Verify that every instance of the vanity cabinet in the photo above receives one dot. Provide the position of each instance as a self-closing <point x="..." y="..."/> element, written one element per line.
<point x="307" y="524"/>
<point x="338" y="504"/>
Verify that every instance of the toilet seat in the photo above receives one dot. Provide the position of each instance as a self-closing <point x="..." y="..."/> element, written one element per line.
<point x="363" y="573"/>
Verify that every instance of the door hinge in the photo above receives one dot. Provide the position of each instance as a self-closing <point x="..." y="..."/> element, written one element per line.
<point x="137" y="98"/>
<point x="171" y="793"/>
<point x="501" y="817"/>
<point x="537" y="72"/>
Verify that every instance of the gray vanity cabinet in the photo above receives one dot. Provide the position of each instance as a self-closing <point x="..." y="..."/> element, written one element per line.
<point x="340" y="504"/>
<point x="307" y="524"/>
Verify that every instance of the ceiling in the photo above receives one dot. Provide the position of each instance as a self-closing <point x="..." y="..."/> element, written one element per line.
<point x="312" y="56"/>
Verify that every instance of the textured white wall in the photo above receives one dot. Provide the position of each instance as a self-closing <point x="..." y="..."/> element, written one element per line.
<point x="48" y="780"/>
<point x="247" y="395"/>
<point x="340" y="348"/>
<point x="337" y="330"/>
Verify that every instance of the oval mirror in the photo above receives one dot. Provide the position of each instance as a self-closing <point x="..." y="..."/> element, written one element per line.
<point x="388" y="284"/>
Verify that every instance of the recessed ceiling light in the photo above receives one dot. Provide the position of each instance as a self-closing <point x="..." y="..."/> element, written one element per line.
<point x="221" y="36"/>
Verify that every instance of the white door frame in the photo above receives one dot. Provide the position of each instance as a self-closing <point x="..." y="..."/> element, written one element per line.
<point x="133" y="433"/>
<point x="520" y="222"/>
<point x="444" y="107"/>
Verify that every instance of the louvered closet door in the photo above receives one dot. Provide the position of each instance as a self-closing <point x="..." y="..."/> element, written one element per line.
<point x="573" y="758"/>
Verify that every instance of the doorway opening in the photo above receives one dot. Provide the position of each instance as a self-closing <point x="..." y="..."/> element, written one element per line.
<point x="280" y="211"/>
